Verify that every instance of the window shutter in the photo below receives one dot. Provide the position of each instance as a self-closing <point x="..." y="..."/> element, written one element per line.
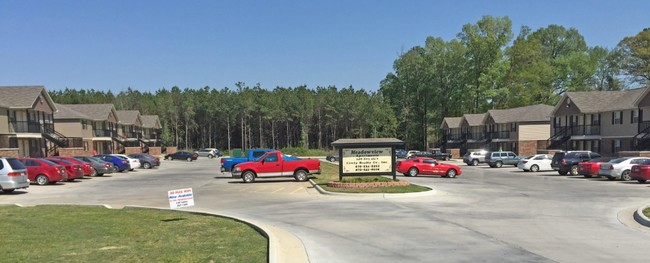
<point x="612" y="117"/>
<point x="632" y="116"/>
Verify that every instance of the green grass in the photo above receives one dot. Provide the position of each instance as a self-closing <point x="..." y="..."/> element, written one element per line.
<point x="646" y="212"/>
<point x="330" y="172"/>
<point x="97" y="234"/>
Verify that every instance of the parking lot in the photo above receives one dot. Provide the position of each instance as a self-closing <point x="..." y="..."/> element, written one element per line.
<point x="486" y="214"/>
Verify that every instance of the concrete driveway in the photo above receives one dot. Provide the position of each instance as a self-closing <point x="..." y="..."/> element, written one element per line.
<point x="486" y="214"/>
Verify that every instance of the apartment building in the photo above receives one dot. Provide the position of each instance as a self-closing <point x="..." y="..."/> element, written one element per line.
<point x="96" y="123"/>
<point x="473" y="132"/>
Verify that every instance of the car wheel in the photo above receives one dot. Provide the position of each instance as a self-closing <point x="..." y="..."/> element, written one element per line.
<point x="41" y="179"/>
<point x="625" y="176"/>
<point x="131" y="169"/>
<point x="562" y="172"/>
<point x="413" y="171"/>
<point x="587" y="175"/>
<point x="610" y="178"/>
<point x="332" y="159"/>
<point x="189" y="159"/>
<point x="146" y="165"/>
<point x="498" y="164"/>
<point x="574" y="170"/>
<point x="248" y="177"/>
<point x="8" y="190"/>
<point x="300" y="175"/>
<point x="641" y="181"/>
<point x="451" y="173"/>
<point x="171" y="158"/>
<point x="100" y="174"/>
<point x="94" y="173"/>
<point x="474" y="162"/>
<point x="210" y="156"/>
<point x="534" y="168"/>
<point x="446" y="158"/>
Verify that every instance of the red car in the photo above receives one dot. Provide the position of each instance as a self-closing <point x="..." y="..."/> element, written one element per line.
<point x="276" y="164"/>
<point x="85" y="166"/>
<point x="425" y="165"/>
<point x="44" y="172"/>
<point x="641" y="173"/>
<point x="74" y="170"/>
<point x="590" y="168"/>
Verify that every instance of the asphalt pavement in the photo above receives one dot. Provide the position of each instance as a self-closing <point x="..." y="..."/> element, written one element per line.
<point x="486" y="214"/>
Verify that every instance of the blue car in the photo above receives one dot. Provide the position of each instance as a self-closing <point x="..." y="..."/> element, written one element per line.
<point x="118" y="162"/>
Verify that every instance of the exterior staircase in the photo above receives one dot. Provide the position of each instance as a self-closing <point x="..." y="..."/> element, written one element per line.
<point x="642" y="139"/>
<point x="559" y="139"/>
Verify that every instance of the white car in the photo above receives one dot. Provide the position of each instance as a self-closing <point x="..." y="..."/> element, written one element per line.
<point x="620" y="167"/>
<point x="535" y="163"/>
<point x="410" y="153"/>
<point x="133" y="163"/>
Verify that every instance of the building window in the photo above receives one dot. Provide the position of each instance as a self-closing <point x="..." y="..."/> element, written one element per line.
<point x="616" y="117"/>
<point x="616" y="145"/>
<point x="595" y="119"/>
<point x="513" y="126"/>
<point x="635" y="116"/>
<point x="84" y="125"/>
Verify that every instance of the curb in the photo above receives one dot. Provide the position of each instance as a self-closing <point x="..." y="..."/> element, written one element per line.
<point x="379" y="195"/>
<point x="283" y="246"/>
<point x="640" y="217"/>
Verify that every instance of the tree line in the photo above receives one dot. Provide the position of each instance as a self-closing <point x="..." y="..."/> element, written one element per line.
<point x="484" y="67"/>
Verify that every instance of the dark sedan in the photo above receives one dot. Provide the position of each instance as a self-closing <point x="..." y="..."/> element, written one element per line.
<point x="182" y="156"/>
<point x="147" y="161"/>
<point x="101" y="167"/>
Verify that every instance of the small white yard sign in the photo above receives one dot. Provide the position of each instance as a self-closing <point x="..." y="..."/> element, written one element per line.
<point x="180" y="198"/>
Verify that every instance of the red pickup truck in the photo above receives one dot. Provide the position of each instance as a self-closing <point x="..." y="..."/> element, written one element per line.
<point x="276" y="164"/>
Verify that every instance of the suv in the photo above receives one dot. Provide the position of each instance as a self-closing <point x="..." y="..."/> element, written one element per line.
<point x="210" y="153"/>
<point x="498" y="159"/>
<point x="13" y="175"/>
<point x="474" y="158"/>
<point x="567" y="162"/>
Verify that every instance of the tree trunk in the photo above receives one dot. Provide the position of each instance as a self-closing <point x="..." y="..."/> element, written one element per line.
<point x="273" y="135"/>
<point x="228" y="119"/>
<point x="261" y="137"/>
<point x="320" y="131"/>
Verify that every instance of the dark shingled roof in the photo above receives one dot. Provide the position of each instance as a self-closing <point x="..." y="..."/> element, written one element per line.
<point x="96" y="112"/>
<point x="22" y="97"/>
<point x="603" y="101"/>
<point x="532" y="113"/>
<point x="452" y="122"/>
<point x="474" y="119"/>
<point x="150" y="121"/>
<point x="65" y="112"/>
<point x="128" y="117"/>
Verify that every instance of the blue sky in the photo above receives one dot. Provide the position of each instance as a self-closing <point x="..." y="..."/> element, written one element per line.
<point x="148" y="45"/>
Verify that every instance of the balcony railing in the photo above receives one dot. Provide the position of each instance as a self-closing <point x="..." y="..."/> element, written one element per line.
<point x="500" y="135"/>
<point x="454" y="137"/>
<point x="475" y="136"/>
<point x="103" y="133"/>
<point x="25" y="126"/>
<point x="132" y="134"/>
<point x="585" y="130"/>
<point x="644" y="125"/>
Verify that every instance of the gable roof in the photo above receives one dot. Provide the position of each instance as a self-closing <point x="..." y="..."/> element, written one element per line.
<point x="66" y="113"/>
<point x="451" y="122"/>
<point x="95" y="112"/>
<point x="23" y="97"/>
<point x="128" y="117"/>
<point x="150" y="121"/>
<point x="602" y="101"/>
<point x="532" y="113"/>
<point x="474" y="119"/>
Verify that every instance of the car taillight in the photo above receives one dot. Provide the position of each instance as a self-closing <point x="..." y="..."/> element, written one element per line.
<point x="611" y="167"/>
<point x="563" y="161"/>
<point x="14" y="174"/>
<point x="524" y="161"/>
<point x="107" y="166"/>
<point x="223" y="160"/>
<point x="643" y="167"/>
<point x="123" y="162"/>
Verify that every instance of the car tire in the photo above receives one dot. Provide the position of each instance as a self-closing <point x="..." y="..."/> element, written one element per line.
<point x="498" y="164"/>
<point x="300" y="175"/>
<point x="94" y="173"/>
<point x="534" y="168"/>
<point x="248" y="177"/>
<point x="131" y="169"/>
<point x="574" y="170"/>
<point x="413" y="171"/>
<point x="625" y="176"/>
<point x="332" y="159"/>
<point x="587" y="175"/>
<point x="474" y="162"/>
<point x="146" y="165"/>
<point x="562" y="172"/>
<point x="641" y="181"/>
<point x="41" y="179"/>
<point x="451" y="173"/>
<point x="8" y="190"/>
<point x="210" y="156"/>
<point x="611" y="178"/>
<point x="100" y="174"/>
<point x="189" y="159"/>
<point x="171" y="158"/>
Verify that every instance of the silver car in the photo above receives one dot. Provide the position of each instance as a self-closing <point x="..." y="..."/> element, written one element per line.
<point x="210" y="153"/>
<point x="13" y="175"/>
<point x="474" y="158"/>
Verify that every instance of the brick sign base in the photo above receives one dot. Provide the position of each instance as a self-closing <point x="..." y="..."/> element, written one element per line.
<point x="367" y="185"/>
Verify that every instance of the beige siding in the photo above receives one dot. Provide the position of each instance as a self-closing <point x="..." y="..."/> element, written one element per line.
<point x="646" y="113"/>
<point x="69" y="128"/>
<point x="607" y="129"/>
<point x="530" y="132"/>
<point x="88" y="132"/>
<point x="4" y="121"/>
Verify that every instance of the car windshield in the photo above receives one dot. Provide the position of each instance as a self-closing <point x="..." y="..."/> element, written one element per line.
<point x="619" y="160"/>
<point x="121" y="157"/>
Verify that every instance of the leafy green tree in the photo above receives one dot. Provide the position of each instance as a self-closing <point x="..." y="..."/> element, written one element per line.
<point x="635" y="54"/>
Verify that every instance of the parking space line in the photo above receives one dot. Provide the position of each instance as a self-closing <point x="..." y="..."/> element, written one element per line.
<point x="280" y="189"/>
<point x="297" y="189"/>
